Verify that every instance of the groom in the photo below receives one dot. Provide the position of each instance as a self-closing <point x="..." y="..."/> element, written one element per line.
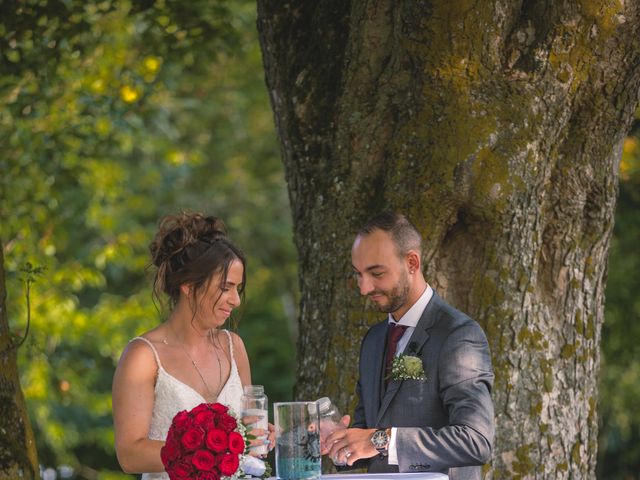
<point x="442" y="422"/>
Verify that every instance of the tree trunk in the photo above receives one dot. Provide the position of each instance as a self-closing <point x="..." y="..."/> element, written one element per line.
<point x="497" y="128"/>
<point x="18" y="458"/>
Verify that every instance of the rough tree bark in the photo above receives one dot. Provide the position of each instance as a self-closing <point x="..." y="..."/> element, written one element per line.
<point x="496" y="126"/>
<point x="18" y="458"/>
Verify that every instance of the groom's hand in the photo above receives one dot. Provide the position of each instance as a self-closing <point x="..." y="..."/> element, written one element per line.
<point x="351" y="444"/>
<point x="345" y="421"/>
<point x="324" y="445"/>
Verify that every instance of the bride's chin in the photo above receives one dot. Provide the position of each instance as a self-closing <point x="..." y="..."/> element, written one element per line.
<point x="215" y="324"/>
<point x="210" y="322"/>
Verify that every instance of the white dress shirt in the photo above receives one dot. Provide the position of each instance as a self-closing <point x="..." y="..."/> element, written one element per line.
<point x="409" y="319"/>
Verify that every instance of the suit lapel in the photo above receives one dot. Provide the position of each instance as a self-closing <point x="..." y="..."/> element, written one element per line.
<point x="417" y="341"/>
<point x="419" y="337"/>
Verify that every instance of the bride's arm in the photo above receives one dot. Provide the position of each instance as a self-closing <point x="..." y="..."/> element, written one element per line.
<point x="242" y="359"/>
<point x="132" y="403"/>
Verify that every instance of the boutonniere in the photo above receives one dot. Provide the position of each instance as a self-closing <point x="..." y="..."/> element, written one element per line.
<point x="407" y="367"/>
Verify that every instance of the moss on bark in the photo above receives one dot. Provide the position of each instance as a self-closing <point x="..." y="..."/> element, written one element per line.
<point x="18" y="458"/>
<point x="496" y="128"/>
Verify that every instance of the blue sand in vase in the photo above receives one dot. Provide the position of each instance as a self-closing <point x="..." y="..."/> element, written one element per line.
<point x="298" y="455"/>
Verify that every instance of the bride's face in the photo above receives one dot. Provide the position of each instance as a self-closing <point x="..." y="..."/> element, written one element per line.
<point x="221" y="297"/>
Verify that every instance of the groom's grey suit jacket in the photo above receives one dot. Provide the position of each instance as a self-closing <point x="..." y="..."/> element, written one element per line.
<point x="445" y="424"/>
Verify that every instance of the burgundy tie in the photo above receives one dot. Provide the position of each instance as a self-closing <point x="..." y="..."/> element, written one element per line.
<point x="394" y="333"/>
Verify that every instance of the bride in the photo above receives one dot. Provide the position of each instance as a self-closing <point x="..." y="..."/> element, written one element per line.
<point x="188" y="359"/>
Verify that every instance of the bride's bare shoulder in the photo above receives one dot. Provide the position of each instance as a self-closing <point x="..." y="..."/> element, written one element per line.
<point x="141" y="352"/>
<point x="237" y="340"/>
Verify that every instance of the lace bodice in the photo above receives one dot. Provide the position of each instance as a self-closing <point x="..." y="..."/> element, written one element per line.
<point x="172" y="396"/>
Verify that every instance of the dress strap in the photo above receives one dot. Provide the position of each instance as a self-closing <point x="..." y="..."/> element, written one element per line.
<point x="153" y="349"/>
<point x="230" y="342"/>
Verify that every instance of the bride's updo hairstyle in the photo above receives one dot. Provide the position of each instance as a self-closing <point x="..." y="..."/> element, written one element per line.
<point x="189" y="249"/>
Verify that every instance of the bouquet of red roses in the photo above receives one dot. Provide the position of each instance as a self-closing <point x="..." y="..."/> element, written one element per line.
<point x="205" y="443"/>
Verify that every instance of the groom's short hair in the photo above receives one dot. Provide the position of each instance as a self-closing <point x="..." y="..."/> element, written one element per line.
<point x="404" y="234"/>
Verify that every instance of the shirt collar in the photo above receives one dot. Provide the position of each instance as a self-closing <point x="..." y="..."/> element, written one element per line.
<point x="412" y="316"/>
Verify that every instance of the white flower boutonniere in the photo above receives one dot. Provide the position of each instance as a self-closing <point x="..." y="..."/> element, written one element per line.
<point x="407" y="367"/>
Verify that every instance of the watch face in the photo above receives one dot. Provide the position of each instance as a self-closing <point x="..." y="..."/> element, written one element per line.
<point x="380" y="439"/>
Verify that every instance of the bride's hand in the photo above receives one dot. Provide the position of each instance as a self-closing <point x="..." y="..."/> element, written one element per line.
<point x="271" y="438"/>
<point x="261" y="436"/>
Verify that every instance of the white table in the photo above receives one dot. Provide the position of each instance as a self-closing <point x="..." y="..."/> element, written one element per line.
<point x="381" y="476"/>
<point x="386" y="476"/>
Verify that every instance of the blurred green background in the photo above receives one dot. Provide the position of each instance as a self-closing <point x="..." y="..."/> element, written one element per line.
<point x="115" y="113"/>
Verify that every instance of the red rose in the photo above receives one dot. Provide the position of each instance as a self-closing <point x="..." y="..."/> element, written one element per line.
<point x="193" y="438"/>
<point x="204" y="460"/>
<point x="229" y="464"/>
<point x="203" y="407"/>
<point x="217" y="440"/>
<point x="199" y="442"/>
<point x="174" y="439"/>
<point x="219" y="408"/>
<point x="227" y="423"/>
<point x="181" y="420"/>
<point x="182" y="468"/>
<point x="236" y="443"/>
<point x="205" y="419"/>
<point x="207" y="476"/>
<point x="170" y="451"/>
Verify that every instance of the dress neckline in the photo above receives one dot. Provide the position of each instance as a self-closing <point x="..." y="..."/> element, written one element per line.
<point x="162" y="370"/>
<point x="176" y="380"/>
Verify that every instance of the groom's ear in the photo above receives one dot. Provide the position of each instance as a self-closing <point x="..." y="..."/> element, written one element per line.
<point x="413" y="261"/>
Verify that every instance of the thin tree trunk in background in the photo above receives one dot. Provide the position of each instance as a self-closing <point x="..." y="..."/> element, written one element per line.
<point x="496" y="127"/>
<point x="18" y="457"/>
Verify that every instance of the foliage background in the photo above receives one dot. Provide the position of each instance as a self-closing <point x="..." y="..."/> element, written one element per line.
<point x="115" y="113"/>
<point x="619" y="436"/>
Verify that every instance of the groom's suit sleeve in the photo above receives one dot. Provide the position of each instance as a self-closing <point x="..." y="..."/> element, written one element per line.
<point x="465" y="380"/>
<point x="359" y="415"/>
<point x="359" y="420"/>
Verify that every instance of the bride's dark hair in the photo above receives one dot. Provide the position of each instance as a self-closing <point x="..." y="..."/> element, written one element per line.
<point x="190" y="248"/>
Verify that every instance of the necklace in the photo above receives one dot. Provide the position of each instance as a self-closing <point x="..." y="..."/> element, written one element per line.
<point x="195" y="365"/>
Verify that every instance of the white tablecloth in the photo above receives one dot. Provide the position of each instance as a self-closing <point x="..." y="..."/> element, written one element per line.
<point x="381" y="476"/>
<point x="386" y="476"/>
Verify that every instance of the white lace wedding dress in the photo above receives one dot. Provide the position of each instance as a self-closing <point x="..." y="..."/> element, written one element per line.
<point x="172" y="396"/>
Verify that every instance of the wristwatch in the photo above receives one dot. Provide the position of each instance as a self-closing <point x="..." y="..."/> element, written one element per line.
<point x="380" y="440"/>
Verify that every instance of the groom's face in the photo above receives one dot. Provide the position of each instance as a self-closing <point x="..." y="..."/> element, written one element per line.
<point x="381" y="274"/>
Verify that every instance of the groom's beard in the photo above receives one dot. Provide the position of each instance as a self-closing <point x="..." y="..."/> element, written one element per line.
<point x="396" y="298"/>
